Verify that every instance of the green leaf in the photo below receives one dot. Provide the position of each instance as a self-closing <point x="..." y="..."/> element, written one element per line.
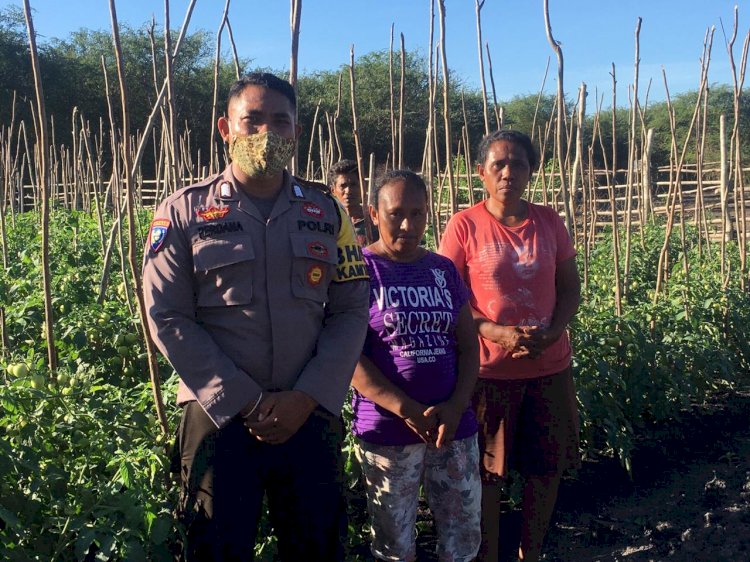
<point x="10" y="519"/>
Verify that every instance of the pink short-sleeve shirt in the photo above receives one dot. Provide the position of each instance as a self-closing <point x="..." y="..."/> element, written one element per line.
<point x="511" y="273"/>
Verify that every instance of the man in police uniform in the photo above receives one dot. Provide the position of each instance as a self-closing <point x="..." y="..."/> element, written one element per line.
<point x="257" y="295"/>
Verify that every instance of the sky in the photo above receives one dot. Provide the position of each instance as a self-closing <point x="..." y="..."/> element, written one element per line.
<point x="593" y="34"/>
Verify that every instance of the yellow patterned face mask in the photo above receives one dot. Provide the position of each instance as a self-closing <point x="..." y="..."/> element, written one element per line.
<point x="263" y="154"/>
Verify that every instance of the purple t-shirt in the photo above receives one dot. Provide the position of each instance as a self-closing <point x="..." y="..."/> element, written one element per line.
<point x="411" y="338"/>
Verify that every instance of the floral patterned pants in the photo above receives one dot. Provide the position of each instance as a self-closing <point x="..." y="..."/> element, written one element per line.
<point x="452" y="486"/>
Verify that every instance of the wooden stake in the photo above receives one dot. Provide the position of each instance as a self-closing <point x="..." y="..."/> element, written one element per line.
<point x="295" y="18"/>
<point x="213" y="158"/>
<point x="45" y="190"/>
<point x="401" y="97"/>
<point x="478" y="5"/>
<point x="446" y="110"/>
<point x="560" y="125"/>
<point x="133" y="260"/>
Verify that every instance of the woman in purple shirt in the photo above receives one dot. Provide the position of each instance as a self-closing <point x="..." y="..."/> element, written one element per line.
<point x="413" y="384"/>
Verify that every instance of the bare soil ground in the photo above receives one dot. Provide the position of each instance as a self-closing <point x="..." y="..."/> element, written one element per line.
<point x="688" y="500"/>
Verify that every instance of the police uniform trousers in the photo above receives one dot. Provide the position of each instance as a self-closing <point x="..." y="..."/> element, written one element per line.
<point x="226" y="472"/>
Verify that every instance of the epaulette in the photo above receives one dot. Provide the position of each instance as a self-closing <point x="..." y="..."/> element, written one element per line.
<point x="205" y="182"/>
<point x="313" y="185"/>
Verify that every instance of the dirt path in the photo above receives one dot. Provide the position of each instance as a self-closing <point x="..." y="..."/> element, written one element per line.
<point x="689" y="498"/>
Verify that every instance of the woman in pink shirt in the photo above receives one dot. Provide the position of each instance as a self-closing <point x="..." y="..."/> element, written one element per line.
<point x="519" y="262"/>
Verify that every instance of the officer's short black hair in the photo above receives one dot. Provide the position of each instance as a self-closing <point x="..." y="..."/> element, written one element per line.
<point x="341" y="168"/>
<point x="512" y="136"/>
<point x="407" y="176"/>
<point x="265" y="79"/>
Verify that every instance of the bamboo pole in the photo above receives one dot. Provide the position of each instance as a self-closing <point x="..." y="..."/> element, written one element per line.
<point x="632" y="155"/>
<point x="498" y="113"/>
<point x="213" y="164"/>
<point x="235" y="57"/>
<point x="336" y="118"/>
<point x="646" y="174"/>
<point x="539" y="100"/>
<point x="478" y="5"/>
<point x="446" y="110"/>
<point x="331" y="148"/>
<point x="6" y="194"/>
<point x="467" y="153"/>
<point x="295" y="18"/>
<point x="577" y="175"/>
<point x="736" y="162"/>
<point x="358" y="145"/>
<point x="392" y="108"/>
<point x="97" y="206"/>
<point x="308" y="168"/>
<point x="132" y="241"/>
<point x="559" y="130"/>
<point x="170" y="102"/>
<point x="670" y="219"/>
<point x="5" y="157"/>
<point x="401" y="99"/>
<point x="725" y="224"/>
<point x="699" y="212"/>
<point x="428" y="165"/>
<point x="45" y="191"/>
<point x="322" y="155"/>
<point x="609" y="177"/>
<point x="160" y="98"/>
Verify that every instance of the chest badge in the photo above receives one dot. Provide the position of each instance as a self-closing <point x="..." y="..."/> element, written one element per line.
<point x="158" y="233"/>
<point x="212" y="213"/>
<point x="314" y="275"/>
<point x="317" y="249"/>
<point x="298" y="191"/>
<point x="313" y="210"/>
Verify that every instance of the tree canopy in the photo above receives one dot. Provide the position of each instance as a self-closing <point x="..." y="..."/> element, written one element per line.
<point x="73" y="75"/>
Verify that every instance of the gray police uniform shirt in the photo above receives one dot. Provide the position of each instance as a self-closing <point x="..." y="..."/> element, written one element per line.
<point x="238" y="304"/>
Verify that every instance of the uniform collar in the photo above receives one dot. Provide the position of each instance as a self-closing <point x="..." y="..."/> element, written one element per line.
<point x="226" y="190"/>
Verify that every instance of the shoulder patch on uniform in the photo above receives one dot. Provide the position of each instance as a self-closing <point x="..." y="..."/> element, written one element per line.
<point x="158" y="233"/>
<point x="351" y="265"/>
<point x="211" y="213"/>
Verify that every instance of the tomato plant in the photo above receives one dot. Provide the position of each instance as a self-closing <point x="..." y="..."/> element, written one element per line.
<point x="84" y="470"/>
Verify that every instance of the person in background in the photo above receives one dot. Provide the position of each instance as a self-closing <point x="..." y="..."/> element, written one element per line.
<point x="343" y="181"/>
<point x="413" y="384"/>
<point x="519" y="262"/>
<point x="257" y="295"/>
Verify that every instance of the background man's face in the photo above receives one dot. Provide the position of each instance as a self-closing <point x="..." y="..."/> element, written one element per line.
<point x="346" y="190"/>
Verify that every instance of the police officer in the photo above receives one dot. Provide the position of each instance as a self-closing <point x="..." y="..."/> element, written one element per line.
<point x="257" y="295"/>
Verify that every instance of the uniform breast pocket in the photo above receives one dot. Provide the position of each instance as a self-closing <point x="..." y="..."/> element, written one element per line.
<point x="224" y="270"/>
<point x="315" y="257"/>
